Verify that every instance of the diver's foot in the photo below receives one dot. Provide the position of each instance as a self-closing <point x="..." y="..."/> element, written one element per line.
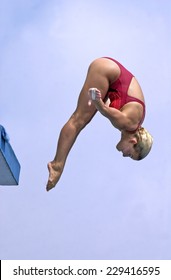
<point x="55" y="172"/>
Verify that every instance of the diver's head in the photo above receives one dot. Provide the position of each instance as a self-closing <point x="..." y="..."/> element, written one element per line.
<point x="136" y="145"/>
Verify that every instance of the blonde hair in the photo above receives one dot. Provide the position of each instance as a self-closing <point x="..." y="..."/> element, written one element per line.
<point x="144" y="142"/>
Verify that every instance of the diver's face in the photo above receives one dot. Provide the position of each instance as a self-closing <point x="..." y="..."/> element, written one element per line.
<point x="126" y="146"/>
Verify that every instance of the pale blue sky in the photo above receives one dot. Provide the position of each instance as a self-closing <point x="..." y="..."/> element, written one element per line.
<point x="104" y="207"/>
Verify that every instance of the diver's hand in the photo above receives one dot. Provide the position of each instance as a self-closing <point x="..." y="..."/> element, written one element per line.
<point x="94" y="94"/>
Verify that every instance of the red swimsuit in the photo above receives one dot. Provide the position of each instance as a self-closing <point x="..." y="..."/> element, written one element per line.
<point x="118" y="91"/>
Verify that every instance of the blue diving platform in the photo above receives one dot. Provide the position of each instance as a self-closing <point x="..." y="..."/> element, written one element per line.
<point x="9" y="164"/>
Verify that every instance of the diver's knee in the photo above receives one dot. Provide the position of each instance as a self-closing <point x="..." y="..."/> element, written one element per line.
<point x="81" y="120"/>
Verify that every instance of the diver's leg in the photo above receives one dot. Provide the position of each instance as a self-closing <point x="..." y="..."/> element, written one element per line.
<point x="79" y="119"/>
<point x="66" y="140"/>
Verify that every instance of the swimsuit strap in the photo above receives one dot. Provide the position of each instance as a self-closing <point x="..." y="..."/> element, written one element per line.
<point x="143" y="116"/>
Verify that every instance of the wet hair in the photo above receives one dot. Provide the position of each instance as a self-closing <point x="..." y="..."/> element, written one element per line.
<point x="144" y="142"/>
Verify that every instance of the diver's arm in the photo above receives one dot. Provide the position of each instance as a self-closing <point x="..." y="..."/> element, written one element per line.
<point x="119" y="119"/>
<point x="116" y="117"/>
